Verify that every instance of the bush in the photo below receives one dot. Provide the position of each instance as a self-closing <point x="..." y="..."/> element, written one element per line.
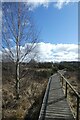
<point x="54" y="70"/>
<point x="43" y="73"/>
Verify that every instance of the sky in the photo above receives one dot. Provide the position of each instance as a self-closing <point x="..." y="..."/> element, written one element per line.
<point x="59" y="31"/>
<point x="58" y="26"/>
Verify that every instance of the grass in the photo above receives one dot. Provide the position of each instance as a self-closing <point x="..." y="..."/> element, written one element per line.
<point x="74" y="81"/>
<point x="32" y="87"/>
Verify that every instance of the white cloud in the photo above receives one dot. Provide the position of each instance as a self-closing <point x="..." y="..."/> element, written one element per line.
<point x="60" y="3"/>
<point x="47" y="52"/>
<point x="57" y="52"/>
<point x="57" y="3"/>
<point x="36" y="3"/>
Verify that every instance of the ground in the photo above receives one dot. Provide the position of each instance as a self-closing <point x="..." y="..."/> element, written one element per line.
<point x="32" y="88"/>
<point x="73" y="78"/>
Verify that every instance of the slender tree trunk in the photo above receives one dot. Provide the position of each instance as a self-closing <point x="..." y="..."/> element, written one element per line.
<point x="20" y="32"/>
<point x="17" y="72"/>
<point x="17" y="81"/>
<point x="18" y="52"/>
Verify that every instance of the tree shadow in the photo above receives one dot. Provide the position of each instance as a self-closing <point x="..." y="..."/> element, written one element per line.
<point x="56" y="100"/>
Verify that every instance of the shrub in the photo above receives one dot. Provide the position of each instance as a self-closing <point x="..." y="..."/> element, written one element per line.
<point x="43" y="73"/>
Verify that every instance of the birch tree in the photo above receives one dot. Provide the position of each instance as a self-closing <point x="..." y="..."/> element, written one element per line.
<point x="19" y="35"/>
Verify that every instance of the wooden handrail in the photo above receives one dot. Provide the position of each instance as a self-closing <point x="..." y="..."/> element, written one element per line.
<point x="76" y="93"/>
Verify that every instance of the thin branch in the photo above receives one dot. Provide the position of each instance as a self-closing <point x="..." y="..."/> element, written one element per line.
<point x="7" y="53"/>
<point x="9" y="26"/>
<point x="28" y="51"/>
<point x="8" y="45"/>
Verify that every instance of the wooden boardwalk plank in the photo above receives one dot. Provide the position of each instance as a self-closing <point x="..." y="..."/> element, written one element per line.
<point x="55" y="106"/>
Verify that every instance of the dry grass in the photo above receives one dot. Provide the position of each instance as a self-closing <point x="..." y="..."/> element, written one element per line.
<point x="73" y="79"/>
<point x="30" y="90"/>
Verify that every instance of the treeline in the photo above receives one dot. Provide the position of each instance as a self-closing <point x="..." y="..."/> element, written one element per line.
<point x="72" y="66"/>
<point x="39" y="69"/>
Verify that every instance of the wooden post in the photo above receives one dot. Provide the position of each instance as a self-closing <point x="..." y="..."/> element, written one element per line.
<point x="62" y="81"/>
<point x="66" y="90"/>
<point x="77" y="116"/>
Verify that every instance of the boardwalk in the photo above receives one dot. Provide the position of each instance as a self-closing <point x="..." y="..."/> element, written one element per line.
<point x="55" y="106"/>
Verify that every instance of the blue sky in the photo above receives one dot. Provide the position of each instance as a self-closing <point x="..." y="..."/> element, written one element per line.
<point x="57" y="25"/>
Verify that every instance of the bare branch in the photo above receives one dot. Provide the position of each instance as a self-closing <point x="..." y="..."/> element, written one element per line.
<point x="18" y="26"/>
<point x="8" y="46"/>
<point x="8" y="53"/>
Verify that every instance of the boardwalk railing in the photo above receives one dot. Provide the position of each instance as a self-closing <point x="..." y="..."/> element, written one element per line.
<point x="44" y="104"/>
<point x="76" y="93"/>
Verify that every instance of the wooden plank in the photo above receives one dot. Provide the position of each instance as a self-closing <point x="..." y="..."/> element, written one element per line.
<point x="56" y="106"/>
